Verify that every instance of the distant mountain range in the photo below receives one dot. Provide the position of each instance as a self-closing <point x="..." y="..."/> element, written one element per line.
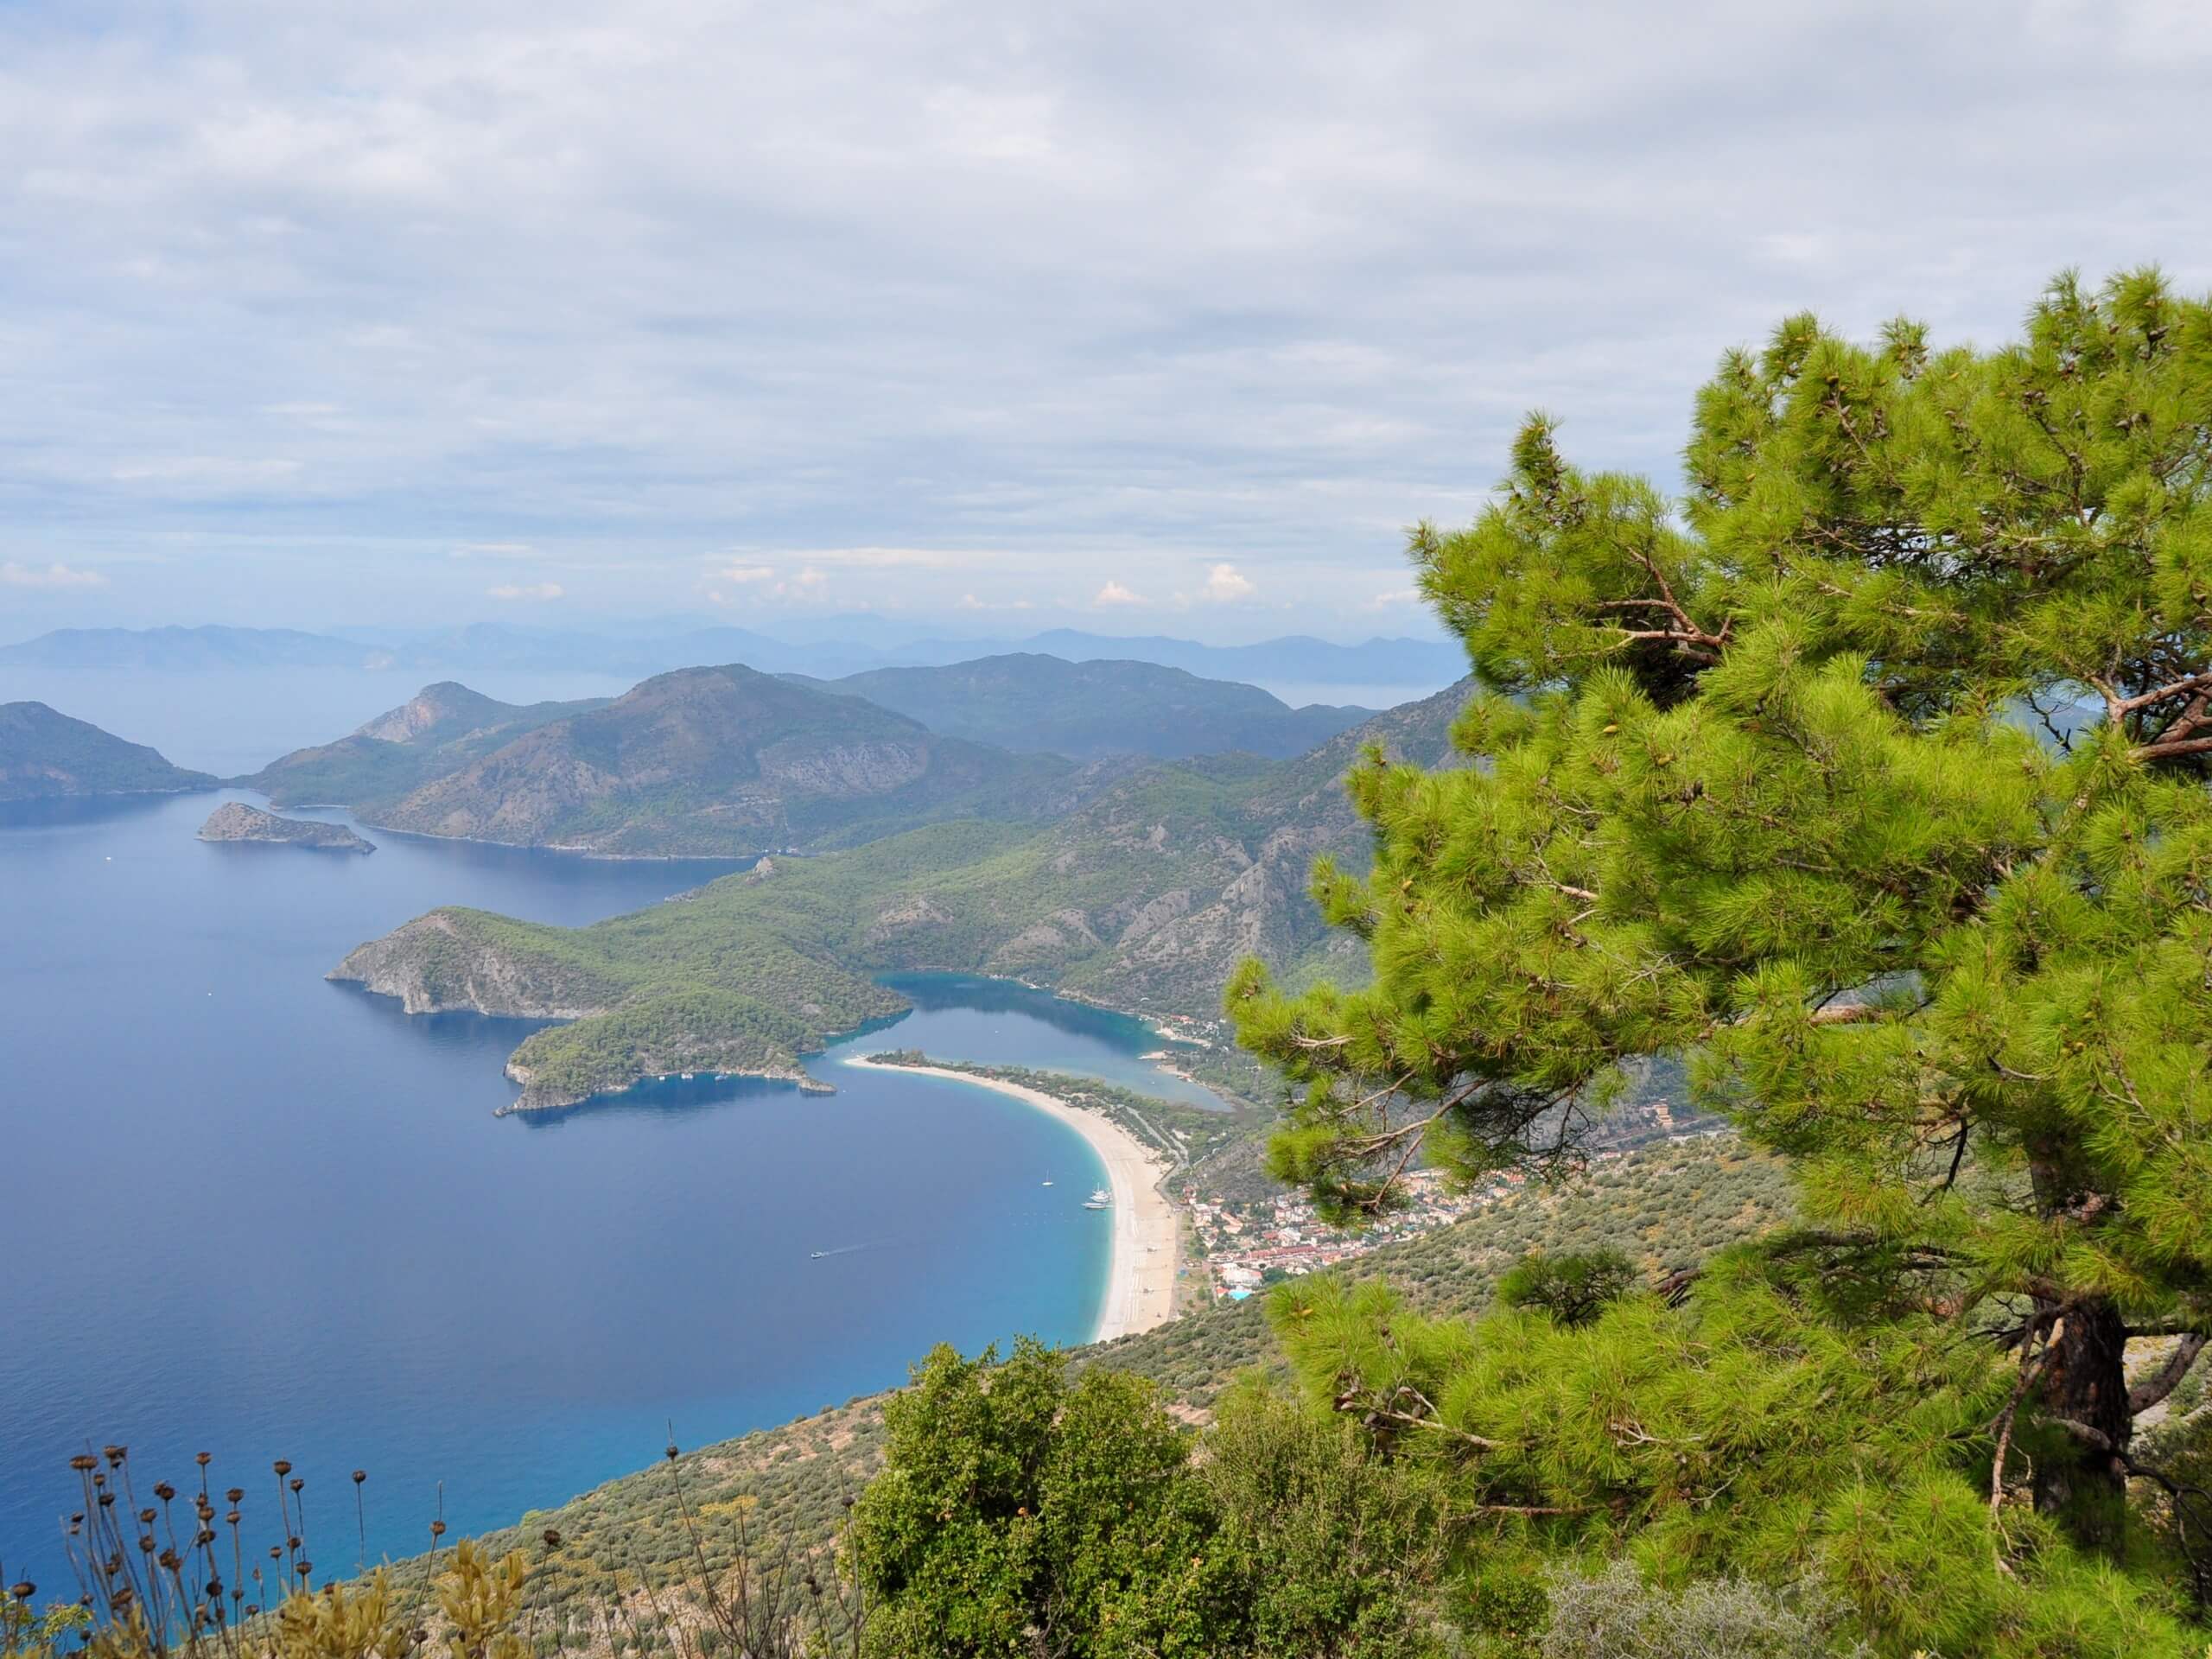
<point x="1032" y="702"/>
<point x="1296" y="660"/>
<point x="180" y="649"/>
<point x="44" y="754"/>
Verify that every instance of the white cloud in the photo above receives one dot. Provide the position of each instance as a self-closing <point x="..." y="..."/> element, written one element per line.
<point x="495" y="550"/>
<point x="1393" y="599"/>
<point x="55" y="575"/>
<point x="1224" y="584"/>
<point x="1114" y="594"/>
<point x="967" y="293"/>
<point x="970" y="602"/>
<point x="744" y="574"/>
<point x="540" y="591"/>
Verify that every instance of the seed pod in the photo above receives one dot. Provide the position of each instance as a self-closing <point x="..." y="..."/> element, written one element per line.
<point x="552" y="1539"/>
<point x="282" y="1466"/>
<point x="24" y="1591"/>
<point x="163" y="1491"/>
<point x="360" y="1475"/>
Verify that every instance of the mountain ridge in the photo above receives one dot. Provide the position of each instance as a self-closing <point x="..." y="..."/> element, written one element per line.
<point x="1029" y="702"/>
<point x="44" y="754"/>
<point x="1299" y="659"/>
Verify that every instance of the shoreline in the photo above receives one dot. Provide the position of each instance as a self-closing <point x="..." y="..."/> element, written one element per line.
<point x="1147" y="1235"/>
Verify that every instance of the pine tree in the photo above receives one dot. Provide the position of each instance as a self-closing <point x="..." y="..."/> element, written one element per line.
<point x="1870" y="775"/>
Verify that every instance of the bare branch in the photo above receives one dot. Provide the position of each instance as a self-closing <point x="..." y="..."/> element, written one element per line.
<point x="2149" y="1392"/>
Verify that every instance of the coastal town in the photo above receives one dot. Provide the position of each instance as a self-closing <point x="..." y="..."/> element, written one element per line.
<point x="1243" y="1247"/>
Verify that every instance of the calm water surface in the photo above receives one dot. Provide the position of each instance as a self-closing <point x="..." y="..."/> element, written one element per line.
<point x="246" y="1210"/>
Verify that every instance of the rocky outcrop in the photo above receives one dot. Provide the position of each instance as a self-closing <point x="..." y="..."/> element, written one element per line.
<point x="235" y="821"/>
<point x="453" y="961"/>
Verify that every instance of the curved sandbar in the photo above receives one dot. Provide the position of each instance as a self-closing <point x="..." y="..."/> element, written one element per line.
<point x="1140" y="1272"/>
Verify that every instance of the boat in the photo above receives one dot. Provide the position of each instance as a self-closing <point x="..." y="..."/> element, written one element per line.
<point x="1048" y="1179"/>
<point x="1099" y="1200"/>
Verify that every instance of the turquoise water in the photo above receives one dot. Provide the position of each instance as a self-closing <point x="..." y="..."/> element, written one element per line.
<point x="246" y="1210"/>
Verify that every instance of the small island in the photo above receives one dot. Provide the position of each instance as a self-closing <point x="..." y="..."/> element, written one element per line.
<point x="235" y="821"/>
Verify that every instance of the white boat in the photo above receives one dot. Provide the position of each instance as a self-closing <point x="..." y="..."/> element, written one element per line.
<point x="1099" y="1200"/>
<point x="1048" y="1180"/>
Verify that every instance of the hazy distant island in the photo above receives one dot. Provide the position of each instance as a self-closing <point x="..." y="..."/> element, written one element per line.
<point x="235" y="821"/>
<point x="44" y="754"/>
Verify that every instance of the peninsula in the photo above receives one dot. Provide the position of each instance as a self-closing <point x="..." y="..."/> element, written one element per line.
<point x="235" y="821"/>
<point x="44" y="754"/>
<point x="1140" y="1275"/>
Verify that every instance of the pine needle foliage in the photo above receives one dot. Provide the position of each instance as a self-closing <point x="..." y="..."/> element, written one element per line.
<point x="1871" y="776"/>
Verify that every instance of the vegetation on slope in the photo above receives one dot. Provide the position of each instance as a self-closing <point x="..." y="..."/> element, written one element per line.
<point x="44" y="753"/>
<point x="1775" y="795"/>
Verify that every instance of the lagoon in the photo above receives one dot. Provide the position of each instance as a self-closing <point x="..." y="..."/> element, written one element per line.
<point x="245" y="1211"/>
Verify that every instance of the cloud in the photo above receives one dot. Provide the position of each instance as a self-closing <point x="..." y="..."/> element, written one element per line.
<point x="1224" y="584"/>
<point x="744" y="574"/>
<point x="534" y="591"/>
<point x="495" y="550"/>
<point x="970" y="602"/>
<point x="1393" y="599"/>
<point x="1114" y="594"/>
<point x="55" y="575"/>
<point x="970" y="299"/>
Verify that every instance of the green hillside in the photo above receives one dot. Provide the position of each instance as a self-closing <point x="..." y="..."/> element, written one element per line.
<point x="44" y="754"/>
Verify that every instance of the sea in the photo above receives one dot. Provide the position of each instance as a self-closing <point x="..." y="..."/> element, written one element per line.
<point x="248" y="1211"/>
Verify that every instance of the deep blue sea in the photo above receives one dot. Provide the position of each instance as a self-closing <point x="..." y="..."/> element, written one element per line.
<point x="245" y="1211"/>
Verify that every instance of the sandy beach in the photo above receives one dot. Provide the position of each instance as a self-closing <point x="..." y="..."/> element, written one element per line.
<point x="1141" y="1279"/>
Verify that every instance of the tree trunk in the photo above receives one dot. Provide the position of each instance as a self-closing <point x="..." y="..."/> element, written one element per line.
<point x="2083" y="1484"/>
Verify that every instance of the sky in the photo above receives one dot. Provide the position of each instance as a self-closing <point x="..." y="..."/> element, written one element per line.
<point x="1143" y="318"/>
